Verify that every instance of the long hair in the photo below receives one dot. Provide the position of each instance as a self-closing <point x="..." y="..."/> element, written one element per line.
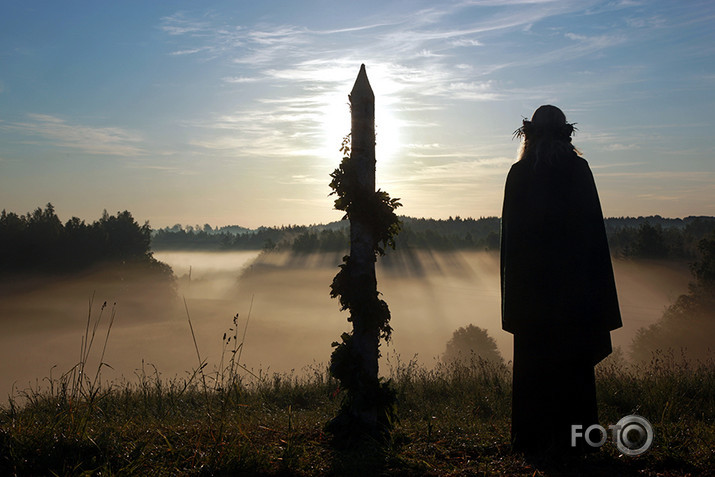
<point x="546" y="138"/>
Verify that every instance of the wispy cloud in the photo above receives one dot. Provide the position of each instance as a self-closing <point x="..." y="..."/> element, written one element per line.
<point x="256" y="98"/>
<point x="448" y="174"/>
<point x="689" y="176"/>
<point x="180" y="24"/>
<point x="277" y="131"/>
<point x="87" y="139"/>
<point x="420" y="62"/>
<point x="169" y="169"/>
<point x="207" y="35"/>
<point x="239" y="79"/>
<point x="425" y="42"/>
<point x="622" y="147"/>
<point x="189" y="51"/>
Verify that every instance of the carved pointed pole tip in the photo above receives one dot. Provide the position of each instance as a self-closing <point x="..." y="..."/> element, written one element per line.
<point x="362" y="87"/>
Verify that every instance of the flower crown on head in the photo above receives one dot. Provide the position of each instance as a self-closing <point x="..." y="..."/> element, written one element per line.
<point x="530" y="131"/>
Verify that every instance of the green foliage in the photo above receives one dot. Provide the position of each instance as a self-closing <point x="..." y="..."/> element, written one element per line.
<point x="378" y="211"/>
<point x="358" y="294"/>
<point x="361" y="298"/>
<point x="376" y="208"/>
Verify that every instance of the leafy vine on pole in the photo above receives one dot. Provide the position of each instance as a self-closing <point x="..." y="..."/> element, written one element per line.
<point x="369" y="404"/>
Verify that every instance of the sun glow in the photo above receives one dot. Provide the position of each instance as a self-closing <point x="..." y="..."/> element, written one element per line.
<point x="336" y="118"/>
<point x="387" y="141"/>
<point x="335" y="125"/>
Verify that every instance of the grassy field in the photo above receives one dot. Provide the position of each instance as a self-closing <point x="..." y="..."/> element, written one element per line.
<point x="454" y="420"/>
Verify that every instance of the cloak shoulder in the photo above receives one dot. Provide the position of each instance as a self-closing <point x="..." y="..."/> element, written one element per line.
<point x="555" y="263"/>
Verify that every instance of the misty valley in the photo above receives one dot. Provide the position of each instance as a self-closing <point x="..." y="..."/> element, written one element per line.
<point x="193" y="346"/>
<point x="292" y="320"/>
<point x="452" y="263"/>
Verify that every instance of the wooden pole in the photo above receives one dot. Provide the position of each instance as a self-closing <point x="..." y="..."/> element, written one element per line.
<point x="362" y="115"/>
<point x="370" y="405"/>
<point x="362" y="254"/>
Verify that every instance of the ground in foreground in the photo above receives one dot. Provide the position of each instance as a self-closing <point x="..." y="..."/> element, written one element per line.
<point x="454" y="420"/>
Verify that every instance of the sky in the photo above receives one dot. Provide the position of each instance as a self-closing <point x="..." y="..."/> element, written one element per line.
<point x="232" y="112"/>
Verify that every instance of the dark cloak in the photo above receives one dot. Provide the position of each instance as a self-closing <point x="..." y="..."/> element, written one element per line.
<point x="558" y="298"/>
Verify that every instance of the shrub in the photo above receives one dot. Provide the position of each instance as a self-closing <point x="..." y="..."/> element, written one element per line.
<point x="471" y="342"/>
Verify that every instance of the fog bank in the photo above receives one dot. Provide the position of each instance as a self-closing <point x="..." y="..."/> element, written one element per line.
<point x="293" y="320"/>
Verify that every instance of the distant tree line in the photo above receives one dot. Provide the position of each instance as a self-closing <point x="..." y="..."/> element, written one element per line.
<point x="39" y="242"/>
<point x="642" y="237"/>
<point x="447" y="234"/>
<point x="450" y="234"/>
<point x="688" y="325"/>
<point x="206" y="238"/>
<point x="656" y="238"/>
<point x="208" y="229"/>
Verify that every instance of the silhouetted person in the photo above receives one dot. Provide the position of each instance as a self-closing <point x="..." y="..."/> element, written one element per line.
<point x="558" y="293"/>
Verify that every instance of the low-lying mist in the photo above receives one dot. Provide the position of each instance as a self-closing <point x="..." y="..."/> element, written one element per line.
<point x="293" y="320"/>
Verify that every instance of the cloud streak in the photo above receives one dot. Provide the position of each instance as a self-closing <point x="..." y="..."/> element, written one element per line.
<point x="429" y="66"/>
<point x="110" y="141"/>
<point x="449" y="59"/>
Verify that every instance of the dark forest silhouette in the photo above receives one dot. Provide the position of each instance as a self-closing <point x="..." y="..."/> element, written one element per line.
<point x="688" y="325"/>
<point x="651" y="237"/>
<point x="39" y="242"/>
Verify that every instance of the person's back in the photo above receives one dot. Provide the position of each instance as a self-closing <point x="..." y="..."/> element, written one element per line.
<point x="558" y="293"/>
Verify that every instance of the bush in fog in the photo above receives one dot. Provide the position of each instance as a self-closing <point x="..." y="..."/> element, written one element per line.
<point x="472" y="342"/>
<point x="688" y="325"/>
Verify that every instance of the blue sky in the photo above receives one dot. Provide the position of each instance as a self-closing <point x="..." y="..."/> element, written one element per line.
<point x="233" y="112"/>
